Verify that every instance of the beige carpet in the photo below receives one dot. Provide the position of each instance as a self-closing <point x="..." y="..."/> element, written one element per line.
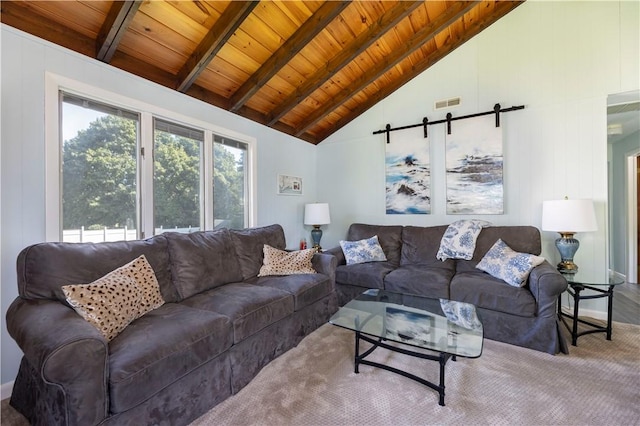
<point x="314" y="384"/>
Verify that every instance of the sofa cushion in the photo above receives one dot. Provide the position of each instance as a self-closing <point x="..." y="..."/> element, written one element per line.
<point x="485" y="291"/>
<point x="305" y="289"/>
<point x="508" y="265"/>
<point x="389" y="236"/>
<point x="161" y="347"/>
<point x="459" y="240"/>
<point x="420" y="244"/>
<point x="362" y="251"/>
<point x="282" y="262"/>
<point x="523" y="239"/>
<point x="367" y="275"/>
<point x="249" y="307"/>
<point x="113" y="301"/>
<point x="202" y="260"/>
<point x="43" y="268"/>
<point x="422" y="280"/>
<point x="249" y="245"/>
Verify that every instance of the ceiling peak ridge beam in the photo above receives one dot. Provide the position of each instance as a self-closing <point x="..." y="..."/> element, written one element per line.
<point x="303" y="35"/>
<point x="114" y="27"/>
<point x="384" y="24"/>
<point x="426" y="33"/>
<point x="232" y="17"/>
<point x="502" y="8"/>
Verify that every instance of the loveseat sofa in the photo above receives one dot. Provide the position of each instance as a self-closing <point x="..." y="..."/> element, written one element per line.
<point x="219" y="325"/>
<point x="524" y="316"/>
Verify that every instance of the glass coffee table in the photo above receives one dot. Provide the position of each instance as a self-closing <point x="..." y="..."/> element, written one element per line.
<point x="449" y="328"/>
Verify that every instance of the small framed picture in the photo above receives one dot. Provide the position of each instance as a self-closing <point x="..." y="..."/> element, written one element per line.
<point x="289" y="185"/>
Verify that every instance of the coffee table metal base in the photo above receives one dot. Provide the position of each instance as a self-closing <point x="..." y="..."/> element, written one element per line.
<point x="442" y="358"/>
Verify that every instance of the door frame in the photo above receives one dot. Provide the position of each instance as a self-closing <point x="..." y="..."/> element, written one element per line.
<point x="632" y="214"/>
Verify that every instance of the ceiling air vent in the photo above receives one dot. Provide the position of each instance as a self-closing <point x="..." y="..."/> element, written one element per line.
<point x="447" y="103"/>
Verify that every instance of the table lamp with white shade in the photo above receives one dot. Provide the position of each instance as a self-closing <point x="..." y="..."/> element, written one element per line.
<point x="568" y="217"/>
<point x="316" y="214"/>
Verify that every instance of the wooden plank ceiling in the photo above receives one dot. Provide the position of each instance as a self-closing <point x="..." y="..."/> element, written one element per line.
<point x="306" y="68"/>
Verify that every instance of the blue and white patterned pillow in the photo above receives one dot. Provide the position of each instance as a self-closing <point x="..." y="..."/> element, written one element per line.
<point x="462" y="314"/>
<point x="459" y="240"/>
<point x="362" y="251"/>
<point x="501" y="261"/>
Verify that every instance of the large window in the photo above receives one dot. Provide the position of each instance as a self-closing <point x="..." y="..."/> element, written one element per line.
<point x="177" y="171"/>
<point x="99" y="171"/>
<point x="230" y="186"/>
<point x="116" y="185"/>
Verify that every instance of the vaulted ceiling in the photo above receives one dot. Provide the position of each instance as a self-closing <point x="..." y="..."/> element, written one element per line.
<point x="306" y="68"/>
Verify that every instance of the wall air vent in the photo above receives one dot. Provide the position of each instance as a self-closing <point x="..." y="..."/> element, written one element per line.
<point x="447" y="103"/>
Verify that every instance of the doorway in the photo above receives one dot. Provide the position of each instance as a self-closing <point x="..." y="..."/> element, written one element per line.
<point x="623" y="138"/>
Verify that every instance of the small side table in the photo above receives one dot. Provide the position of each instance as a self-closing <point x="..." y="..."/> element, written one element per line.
<point x="578" y="283"/>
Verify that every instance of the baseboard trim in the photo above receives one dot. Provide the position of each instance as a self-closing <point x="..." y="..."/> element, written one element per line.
<point x="6" y="390"/>
<point x="599" y="315"/>
<point x="618" y="275"/>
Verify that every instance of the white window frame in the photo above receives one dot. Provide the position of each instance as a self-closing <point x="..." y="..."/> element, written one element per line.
<point x="53" y="162"/>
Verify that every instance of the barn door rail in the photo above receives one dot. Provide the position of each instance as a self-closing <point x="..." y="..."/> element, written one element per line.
<point x="497" y="109"/>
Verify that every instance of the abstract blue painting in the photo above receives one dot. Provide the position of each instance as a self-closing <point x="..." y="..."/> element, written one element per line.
<point x="408" y="176"/>
<point x="474" y="167"/>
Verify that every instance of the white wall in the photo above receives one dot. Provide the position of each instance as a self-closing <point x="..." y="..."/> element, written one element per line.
<point x="560" y="60"/>
<point x="25" y="60"/>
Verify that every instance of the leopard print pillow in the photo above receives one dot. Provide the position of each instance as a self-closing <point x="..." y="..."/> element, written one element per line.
<point x="112" y="302"/>
<point x="280" y="262"/>
<point x="140" y="270"/>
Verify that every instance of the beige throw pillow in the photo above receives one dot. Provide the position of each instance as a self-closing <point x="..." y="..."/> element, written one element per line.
<point x="110" y="303"/>
<point x="280" y="262"/>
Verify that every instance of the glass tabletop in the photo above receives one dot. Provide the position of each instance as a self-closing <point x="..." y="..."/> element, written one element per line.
<point x="436" y="324"/>
<point x="586" y="279"/>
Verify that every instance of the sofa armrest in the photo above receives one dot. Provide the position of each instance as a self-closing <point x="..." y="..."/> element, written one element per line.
<point x="338" y="253"/>
<point x="67" y="352"/>
<point x="325" y="264"/>
<point x="546" y="284"/>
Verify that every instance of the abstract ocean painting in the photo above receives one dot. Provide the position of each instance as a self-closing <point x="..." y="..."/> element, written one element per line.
<point x="408" y="177"/>
<point x="474" y="167"/>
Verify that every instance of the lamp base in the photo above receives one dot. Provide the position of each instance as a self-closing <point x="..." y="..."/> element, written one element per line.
<point x="316" y="235"/>
<point x="567" y="246"/>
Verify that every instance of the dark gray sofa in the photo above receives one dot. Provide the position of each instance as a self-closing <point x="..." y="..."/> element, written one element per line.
<point x="525" y="316"/>
<point x="219" y="326"/>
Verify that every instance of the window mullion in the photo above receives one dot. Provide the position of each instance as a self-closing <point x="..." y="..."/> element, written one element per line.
<point x="145" y="176"/>
<point x="207" y="181"/>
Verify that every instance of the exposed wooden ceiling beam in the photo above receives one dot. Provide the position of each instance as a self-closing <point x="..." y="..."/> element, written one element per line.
<point x="114" y="27"/>
<point x="346" y="55"/>
<point x="307" y="31"/>
<point x="223" y="29"/>
<point x="442" y="21"/>
<point x="22" y="16"/>
<point x="501" y="9"/>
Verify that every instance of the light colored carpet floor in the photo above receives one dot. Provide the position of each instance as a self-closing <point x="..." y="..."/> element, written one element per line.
<point x="598" y="383"/>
